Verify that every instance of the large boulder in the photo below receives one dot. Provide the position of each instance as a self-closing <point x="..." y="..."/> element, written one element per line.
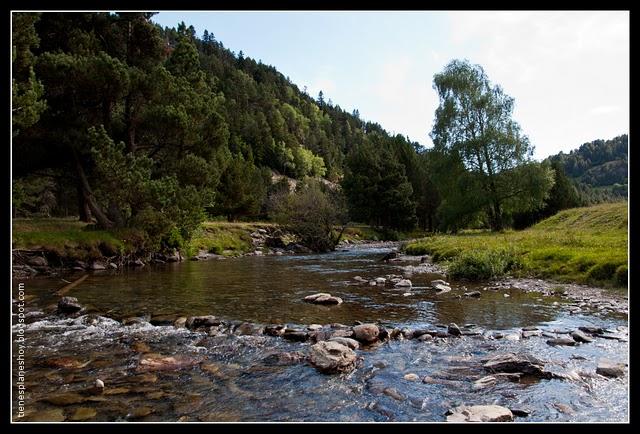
<point x="332" y="357"/>
<point x="480" y="413"/>
<point x="323" y="298"/>
<point x="511" y="362"/>
<point x="366" y="333"/>
<point x="69" y="305"/>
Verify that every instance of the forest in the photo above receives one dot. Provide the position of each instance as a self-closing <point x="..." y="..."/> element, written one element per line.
<point x="129" y="125"/>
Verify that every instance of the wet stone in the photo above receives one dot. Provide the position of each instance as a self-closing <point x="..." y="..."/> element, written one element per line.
<point x="480" y="413"/>
<point x="610" y="369"/>
<point x="82" y="413"/>
<point x="366" y="333"/>
<point x="579" y="336"/>
<point x="68" y="305"/>
<point x="332" y="357"/>
<point x="393" y="393"/>
<point x="139" y="412"/>
<point x="561" y="342"/>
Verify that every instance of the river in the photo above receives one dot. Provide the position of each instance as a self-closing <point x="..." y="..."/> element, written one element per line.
<point x="229" y="379"/>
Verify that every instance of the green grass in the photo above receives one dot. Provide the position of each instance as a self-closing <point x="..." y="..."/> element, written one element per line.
<point x="583" y="245"/>
<point x="70" y="238"/>
<point x="223" y="238"/>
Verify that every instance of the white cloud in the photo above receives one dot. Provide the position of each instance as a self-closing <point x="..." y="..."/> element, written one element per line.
<point x="561" y="68"/>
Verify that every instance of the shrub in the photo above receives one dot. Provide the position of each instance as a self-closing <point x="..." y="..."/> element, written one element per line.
<point x="621" y="276"/>
<point x="482" y="265"/>
<point x="603" y="271"/>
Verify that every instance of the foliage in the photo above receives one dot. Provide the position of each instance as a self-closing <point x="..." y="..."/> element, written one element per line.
<point x="312" y="212"/>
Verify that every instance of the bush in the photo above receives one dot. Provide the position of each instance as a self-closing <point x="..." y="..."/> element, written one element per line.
<point x="483" y="265"/>
<point x="603" y="271"/>
<point x="621" y="276"/>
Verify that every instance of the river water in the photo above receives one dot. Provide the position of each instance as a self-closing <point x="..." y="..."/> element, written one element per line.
<point x="226" y="378"/>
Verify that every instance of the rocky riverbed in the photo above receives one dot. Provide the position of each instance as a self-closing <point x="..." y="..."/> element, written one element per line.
<point x="380" y="355"/>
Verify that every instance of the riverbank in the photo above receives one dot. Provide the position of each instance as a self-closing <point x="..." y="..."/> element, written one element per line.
<point x="53" y="245"/>
<point x="581" y="245"/>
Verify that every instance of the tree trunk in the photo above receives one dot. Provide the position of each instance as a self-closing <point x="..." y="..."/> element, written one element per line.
<point x="87" y="194"/>
<point x="84" y="212"/>
<point x="130" y="124"/>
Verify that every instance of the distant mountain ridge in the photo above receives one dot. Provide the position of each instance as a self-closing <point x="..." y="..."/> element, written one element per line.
<point x="598" y="168"/>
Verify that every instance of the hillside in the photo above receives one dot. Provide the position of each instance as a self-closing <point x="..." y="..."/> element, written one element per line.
<point x="584" y="245"/>
<point x="599" y="168"/>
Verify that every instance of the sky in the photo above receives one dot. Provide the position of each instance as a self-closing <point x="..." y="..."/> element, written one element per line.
<point x="568" y="71"/>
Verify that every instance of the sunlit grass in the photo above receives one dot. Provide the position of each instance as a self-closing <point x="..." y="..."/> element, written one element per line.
<point x="584" y="245"/>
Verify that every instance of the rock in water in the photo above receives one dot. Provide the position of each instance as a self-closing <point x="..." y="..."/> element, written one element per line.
<point x="610" y="369"/>
<point x="322" y="298"/>
<point x="454" y="330"/>
<point x="404" y="283"/>
<point x="441" y="289"/>
<point x="69" y="305"/>
<point x="480" y="413"/>
<point x="331" y="357"/>
<point x="472" y="294"/>
<point x="561" y="341"/>
<point x="390" y="255"/>
<point x="366" y="333"/>
<point x="579" y="336"/>
<point x="38" y="261"/>
<point x="515" y="363"/>
<point x="438" y="282"/>
<point x="348" y="342"/>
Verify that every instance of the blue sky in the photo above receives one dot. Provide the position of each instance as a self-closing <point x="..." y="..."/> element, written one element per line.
<point x="568" y="71"/>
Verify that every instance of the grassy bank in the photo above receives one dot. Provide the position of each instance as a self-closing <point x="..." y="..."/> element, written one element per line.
<point x="223" y="238"/>
<point x="583" y="245"/>
<point x="70" y="238"/>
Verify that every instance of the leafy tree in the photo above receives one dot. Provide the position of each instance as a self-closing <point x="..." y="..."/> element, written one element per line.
<point x="242" y="190"/>
<point x="312" y="212"/>
<point x="377" y="188"/>
<point x="473" y="122"/>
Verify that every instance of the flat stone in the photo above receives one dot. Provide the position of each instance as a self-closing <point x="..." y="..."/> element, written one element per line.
<point x="348" y="342"/>
<point x="322" y="298"/>
<point x="404" y="283"/>
<point x="441" y="289"/>
<point x="610" y="369"/>
<point x="511" y="362"/>
<point x="411" y="377"/>
<point x="561" y="341"/>
<point x="480" y="413"/>
<point x="67" y="398"/>
<point x="82" y="413"/>
<point x="393" y="393"/>
<point x="579" y="336"/>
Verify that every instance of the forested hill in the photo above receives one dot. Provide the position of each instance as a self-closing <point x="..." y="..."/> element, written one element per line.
<point x="601" y="164"/>
<point x="216" y="121"/>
